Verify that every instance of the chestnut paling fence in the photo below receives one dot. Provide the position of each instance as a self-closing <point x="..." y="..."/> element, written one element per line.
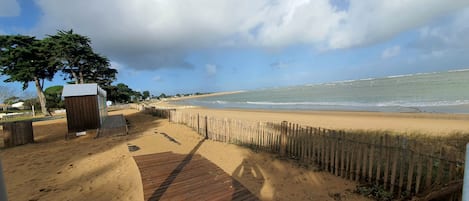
<point x="420" y="167"/>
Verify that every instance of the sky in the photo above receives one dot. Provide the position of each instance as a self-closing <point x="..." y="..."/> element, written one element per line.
<point x="182" y="46"/>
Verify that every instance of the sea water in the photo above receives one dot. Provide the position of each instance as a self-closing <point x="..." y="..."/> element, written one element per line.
<point x="441" y="92"/>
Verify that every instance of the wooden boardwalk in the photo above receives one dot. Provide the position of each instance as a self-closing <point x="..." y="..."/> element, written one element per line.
<point x="170" y="176"/>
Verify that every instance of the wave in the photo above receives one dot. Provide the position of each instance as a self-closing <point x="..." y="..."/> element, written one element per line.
<point x="334" y="83"/>
<point x="357" y="104"/>
<point x="459" y="70"/>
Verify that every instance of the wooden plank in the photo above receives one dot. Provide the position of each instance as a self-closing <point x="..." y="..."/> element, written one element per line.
<point x="403" y="159"/>
<point x="326" y="151"/>
<point x="342" y="154"/>
<point x="358" y="161"/>
<point x="352" y="149"/>
<point x="185" y="184"/>
<point x="395" y="158"/>
<point x="419" y="162"/>
<point x="410" y="174"/>
<point x="441" y="165"/>
<point x="371" y="159"/>
<point x="379" y="160"/>
<point x="364" y="157"/>
<point x="428" y="175"/>
<point x="387" y="153"/>
<point x="337" y="151"/>
<point x="283" y="138"/>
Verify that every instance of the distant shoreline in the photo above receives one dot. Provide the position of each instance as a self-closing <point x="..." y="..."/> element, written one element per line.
<point x="205" y="95"/>
<point x="420" y="122"/>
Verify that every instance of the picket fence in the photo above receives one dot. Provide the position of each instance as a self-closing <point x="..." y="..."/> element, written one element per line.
<point x="421" y="168"/>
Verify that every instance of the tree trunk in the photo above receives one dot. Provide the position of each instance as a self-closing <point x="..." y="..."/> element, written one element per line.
<point x="82" y="81"/>
<point x="42" y="98"/>
<point x="75" y="77"/>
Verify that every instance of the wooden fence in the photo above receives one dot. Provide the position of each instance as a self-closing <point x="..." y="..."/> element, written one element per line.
<point x="159" y="112"/>
<point x="418" y="167"/>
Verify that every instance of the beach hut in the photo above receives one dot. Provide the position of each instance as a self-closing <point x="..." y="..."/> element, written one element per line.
<point x="85" y="105"/>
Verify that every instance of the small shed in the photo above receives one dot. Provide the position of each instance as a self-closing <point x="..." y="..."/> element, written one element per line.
<point x="85" y="106"/>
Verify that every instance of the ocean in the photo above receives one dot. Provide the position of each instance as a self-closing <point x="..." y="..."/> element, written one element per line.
<point x="439" y="92"/>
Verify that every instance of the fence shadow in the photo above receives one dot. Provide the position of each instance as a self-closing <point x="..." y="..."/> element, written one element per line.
<point x="159" y="192"/>
<point x="402" y="165"/>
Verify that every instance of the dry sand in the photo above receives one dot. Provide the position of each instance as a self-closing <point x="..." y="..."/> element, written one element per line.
<point x="272" y="178"/>
<point x="427" y="123"/>
<point x="103" y="169"/>
<point x="79" y="169"/>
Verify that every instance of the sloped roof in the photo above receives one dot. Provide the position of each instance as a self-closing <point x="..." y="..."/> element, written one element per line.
<point x="82" y="90"/>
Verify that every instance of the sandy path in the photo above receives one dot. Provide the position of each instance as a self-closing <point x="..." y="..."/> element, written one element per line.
<point x="80" y="169"/>
<point x="269" y="177"/>
<point x="103" y="169"/>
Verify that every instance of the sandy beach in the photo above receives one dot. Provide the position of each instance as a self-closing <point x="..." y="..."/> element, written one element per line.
<point x="103" y="169"/>
<point x="426" y="123"/>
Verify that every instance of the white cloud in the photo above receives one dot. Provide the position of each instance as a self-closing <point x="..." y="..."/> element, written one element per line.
<point x="157" y="78"/>
<point x="211" y="69"/>
<point x="145" y="34"/>
<point x="9" y="8"/>
<point x="370" y="21"/>
<point x="391" y="52"/>
<point x="446" y="37"/>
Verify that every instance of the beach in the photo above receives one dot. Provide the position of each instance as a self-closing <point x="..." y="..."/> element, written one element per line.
<point x="426" y="123"/>
<point x="103" y="169"/>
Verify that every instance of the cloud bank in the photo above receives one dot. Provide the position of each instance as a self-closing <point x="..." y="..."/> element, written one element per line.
<point x="9" y="8"/>
<point x="149" y="34"/>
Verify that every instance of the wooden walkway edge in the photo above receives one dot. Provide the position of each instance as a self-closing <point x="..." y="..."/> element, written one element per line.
<point x="170" y="176"/>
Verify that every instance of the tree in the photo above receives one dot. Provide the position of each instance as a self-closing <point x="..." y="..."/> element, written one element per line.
<point x="11" y="100"/>
<point x="99" y="71"/>
<point x="162" y="95"/>
<point x="6" y="92"/>
<point x="145" y="95"/>
<point x="32" y="102"/>
<point x="79" y="62"/>
<point x="120" y="93"/>
<point x="25" y="59"/>
<point x="54" y="97"/>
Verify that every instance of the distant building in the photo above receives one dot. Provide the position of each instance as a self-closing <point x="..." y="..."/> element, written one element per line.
<point x="19" y="105"/>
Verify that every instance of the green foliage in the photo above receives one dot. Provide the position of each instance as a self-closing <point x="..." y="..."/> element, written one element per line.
<point x="54" y="97"/>
<point x="375" y="191"/>
<point x="145" y="95"/>
<point x="162" y="95"/>
<point x="32" y="102"/>
<point x="120" y="93"/>
<point x="11" y="100"/>
<point x="25" y="59"/>
<point x="78" y="60"/>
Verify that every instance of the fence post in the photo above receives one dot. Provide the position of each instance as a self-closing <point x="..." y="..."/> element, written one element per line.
<point x="206" y="127"/>
<point x="169" y="115"/>
<point x="465" y="190"/>
<point x="3" y="192"/>
<point x="198" y="123"/>
<point x="283" y="138"/>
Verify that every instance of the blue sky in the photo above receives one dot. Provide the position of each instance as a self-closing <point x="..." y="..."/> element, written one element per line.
<point x="179" y="46"/>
